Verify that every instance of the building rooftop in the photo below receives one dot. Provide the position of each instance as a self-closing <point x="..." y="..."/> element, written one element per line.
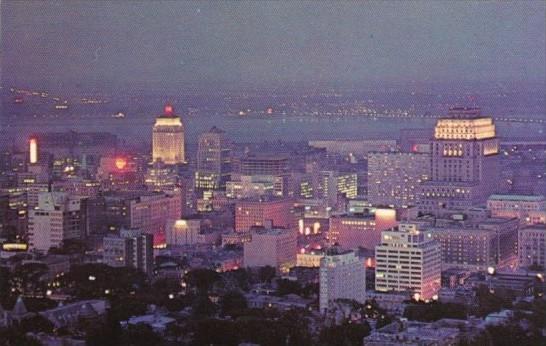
<point x="518" y="198"/>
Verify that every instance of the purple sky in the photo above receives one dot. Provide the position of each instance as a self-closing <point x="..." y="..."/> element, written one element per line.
<point x="60" y="43"/>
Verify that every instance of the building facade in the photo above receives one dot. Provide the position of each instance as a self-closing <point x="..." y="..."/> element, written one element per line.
<point x="350" y="231"/>
<point x="532" y="246"/>
<point x="131" y="248"/>
<point x="271" y="247"/>
<point x="465" y="168"/>
<point x="394" y="179"/>
<point x="342" y="275"/>
<point x="213" y="160"/>
<point x="530" y="210"/>
<point x="258" y="212"/>
<point x="168" y="138"/>
<point x="57" y="217"/>
<point x="408" y="260"/>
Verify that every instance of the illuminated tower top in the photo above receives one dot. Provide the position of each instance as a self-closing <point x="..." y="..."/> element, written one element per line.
<point x="168" y="138"/>
<point x="464" y="124"/>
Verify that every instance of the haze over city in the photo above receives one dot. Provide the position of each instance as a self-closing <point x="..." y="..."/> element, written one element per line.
<point x="272" y="173"/>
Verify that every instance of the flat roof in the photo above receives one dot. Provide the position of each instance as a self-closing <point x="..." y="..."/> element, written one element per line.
<point x="516" y="198"/>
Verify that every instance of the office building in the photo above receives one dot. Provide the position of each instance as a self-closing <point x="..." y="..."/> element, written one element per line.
<point x="271" y="247"/>
<point x="530" y="210"/>
<point x="532" y="246"/>
<point x="350" y="231"/>
<point x="491" y="242"/>
<point x="57" y="217"/>
<point x="264" y="165"/>
<point x="131" y="248"/>
<point x="465" y="169"/>
<point x="183" y="231"/>
<point x="408" y="260"/>
<point x="259" y="212"/>
<point x="394" y="179"/>
<point x="253" y="186"/>
<point x="213" y="160"/>
<point x="144" y="210"/>
<point x="342" y="275"/>
<point x="161" y="177"/>
<point x="168" y="138"/>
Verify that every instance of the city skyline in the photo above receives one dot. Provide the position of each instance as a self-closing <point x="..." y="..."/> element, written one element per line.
<point x="273" y="173"/>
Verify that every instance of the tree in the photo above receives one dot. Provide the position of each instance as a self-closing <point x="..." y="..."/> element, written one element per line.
<point x="346" y="334"/>
<point x="98" y="280"/>
<point x="233" y="303"/>
<point x="203" y="307"/>
<point x="434" y="311"/>
<point x="285" y="287"/>
<point x="14" y="337"/>
<point x="201" y="280"/>
<point x="36" y="324"/>
<point x="215" y="332"/>
<point x="29" y="278"/>
<point x="140" y="335"/>
<point x="488" y="302"/>
<point x="266" y="274"/>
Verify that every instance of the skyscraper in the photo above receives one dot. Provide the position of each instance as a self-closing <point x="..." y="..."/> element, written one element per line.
<point x="464" y="161"/>
<point x="342" y="275"/>
<point x="132" y="248"/>
<point x="395" y="178"/>
<point x="213" y="160"/>
<point x="408" y="260"/>
<point x="168" y="138"/>
<point x="57" y="217"/>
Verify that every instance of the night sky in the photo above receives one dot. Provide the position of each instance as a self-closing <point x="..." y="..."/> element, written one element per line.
<point x="220" y="43"/>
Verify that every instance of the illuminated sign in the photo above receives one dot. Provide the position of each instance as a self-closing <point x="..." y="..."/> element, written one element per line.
<point x="15" y="247"/>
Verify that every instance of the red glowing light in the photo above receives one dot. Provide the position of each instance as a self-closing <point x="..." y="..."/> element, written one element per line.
<point x="121" y="163"/>
<point x="168" y="109"/>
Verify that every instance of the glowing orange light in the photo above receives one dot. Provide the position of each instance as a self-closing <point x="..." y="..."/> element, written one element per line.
<point x="121" y="163"/>
<point x="33" y="150"/>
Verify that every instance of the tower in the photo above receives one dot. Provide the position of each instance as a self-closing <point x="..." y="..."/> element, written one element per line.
<point x="213" y="160"/>
<point x="464" y="161"/>
<point x="168" y="138"/>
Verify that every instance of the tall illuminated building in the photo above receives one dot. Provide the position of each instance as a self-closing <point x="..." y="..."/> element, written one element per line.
<point x="465" y="169"/>
<point x="33" y="151"/>
<point x="168" y="138"/>
<point x="213" y="160"/>
<point x="408" y="260"/>
<point x="342" y="276"/>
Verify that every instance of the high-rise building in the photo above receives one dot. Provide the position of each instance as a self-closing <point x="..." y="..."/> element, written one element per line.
<point x="464" y="161"/>
<point x="342" y="274"/>
<point x="530" y="210"/>
<point x="532" y="246"/>
<point x="271" y="247"/>
<point x="57" y="217"/>
<point x="351" y="231"/>
<point x="408" y="260"/>
<point x="252" y="186"/>
<point x="213" y="160"/>
<point x="168" y="138"/>
<point x="144" y="210"/>
<point x="259" y="212"/>
<point x="264" y="165"/>
<point x="132" y="248"/>
<point x="161" y="177"/>
<point x="491" y="242"/>
<point x="395" y="178"/>
<point x="183" y="231"/>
